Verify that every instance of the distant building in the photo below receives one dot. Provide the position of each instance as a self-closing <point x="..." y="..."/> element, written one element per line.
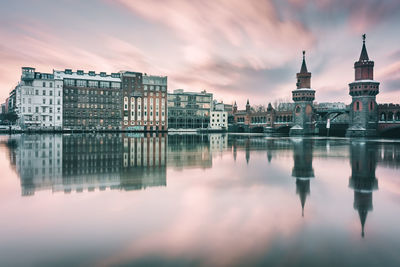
<point x="189" y="110"/>
<point x="223" y="107"/>
<point x="218" y="120"/>
<point x="90" y="100"/>
<point x="269" y="117"/>
<point x="38" y="100"/>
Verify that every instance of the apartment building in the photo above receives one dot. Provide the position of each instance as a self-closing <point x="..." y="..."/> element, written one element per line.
<point x="38" y="100"/>
<point x="92" y="101"/>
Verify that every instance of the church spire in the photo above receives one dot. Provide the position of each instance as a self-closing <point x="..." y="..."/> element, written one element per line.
<point x="364" y="54"/>
<point x="303" y="64"/>
<point x="303" y="77"/>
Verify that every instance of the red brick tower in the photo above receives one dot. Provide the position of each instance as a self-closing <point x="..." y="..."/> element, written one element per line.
<point x="363" y="108"/>
<point x="303" y="98"/>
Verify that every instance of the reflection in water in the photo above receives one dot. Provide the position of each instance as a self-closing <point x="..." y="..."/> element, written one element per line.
<point x="86" y="162"/>
<point x="303" y="169"/>
<point x="363" y="159"/>
<point x="222" y="190"/>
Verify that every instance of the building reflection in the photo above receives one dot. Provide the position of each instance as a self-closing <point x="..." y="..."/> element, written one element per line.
<point x="86" y="162"/>
<point x="90" y="162"/>
<point x="189" y="151"/>
<point x="144" y="162"/>
<point x="363" y="160"/>
<point x="38" y="160"/>
<point x="302" y="170"/>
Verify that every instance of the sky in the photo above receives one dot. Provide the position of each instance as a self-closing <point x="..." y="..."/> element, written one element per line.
<point x="236" y="49"/>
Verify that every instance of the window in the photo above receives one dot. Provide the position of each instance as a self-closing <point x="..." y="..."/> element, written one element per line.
<point x="357" y="105"/>
<point x="44" y="84"/>
<point x="81" y="83"/>
<point x="93" y="84"/>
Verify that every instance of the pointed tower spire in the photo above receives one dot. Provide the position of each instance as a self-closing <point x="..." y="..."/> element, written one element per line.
<point x="303" y="77"/>
<point x="364" y="54"/>
<point x="247" y="106"/>
<point x="303" y="64"/>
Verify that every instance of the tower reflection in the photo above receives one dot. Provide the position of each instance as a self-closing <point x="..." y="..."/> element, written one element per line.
<point x="302" y="170"/>
<point x="363" y="160"/>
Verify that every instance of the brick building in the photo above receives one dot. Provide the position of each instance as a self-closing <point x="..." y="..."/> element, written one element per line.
<point x="91" y="101"/>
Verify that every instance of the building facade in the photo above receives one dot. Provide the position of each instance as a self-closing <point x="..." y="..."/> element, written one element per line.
<point x="38" y="100"/>
<point x="218" y="120"/>
<point x="91" y="101"/>
<point x="303" y="96"/>
<point x="155" y="102"/>
<point x="189" y="110"/>
<point x="363" y="91"/>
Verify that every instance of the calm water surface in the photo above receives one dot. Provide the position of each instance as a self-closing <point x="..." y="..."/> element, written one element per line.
<point x="208" y="200"/>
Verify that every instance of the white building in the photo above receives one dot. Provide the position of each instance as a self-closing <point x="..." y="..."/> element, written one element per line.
<point x="39" y="100"/>
<point x="218" y="120"/>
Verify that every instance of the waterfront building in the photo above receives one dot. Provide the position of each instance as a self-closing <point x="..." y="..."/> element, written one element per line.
<point x="38" y="100"/>
<point x="132" y="93"/>
<point x="154" y="112"/>
<point x="303" y="96"/>
<point x="228" y="108"/>
<point x="218" y="120"/>
<point x="92" y="101"/>
<point x="222" y="106"/>
<point x="363" y="91"/>
<point x="189" y="110"/>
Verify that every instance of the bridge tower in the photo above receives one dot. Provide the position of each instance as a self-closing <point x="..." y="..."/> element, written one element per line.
<point x="363" y="91"/>
<point x="303" y="98"/>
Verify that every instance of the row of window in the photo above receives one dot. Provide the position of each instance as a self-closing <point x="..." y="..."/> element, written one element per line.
<point x="92" y="84"/>
<point x="91" y="92"/>
<point x="31" y="91"/>
<point x="44" y="110"/>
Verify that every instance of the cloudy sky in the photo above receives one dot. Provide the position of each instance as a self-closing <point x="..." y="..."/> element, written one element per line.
<point x="236" y="49"/>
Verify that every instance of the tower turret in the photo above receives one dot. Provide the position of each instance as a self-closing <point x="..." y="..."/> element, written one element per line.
<point x="247" y="106"/>
<point x="363" y="108"/>
<point x="303" y="97"/>
<point x="303" y="77"/>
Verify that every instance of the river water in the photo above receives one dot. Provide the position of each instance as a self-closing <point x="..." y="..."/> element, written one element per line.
<point x="198" y="200"/>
